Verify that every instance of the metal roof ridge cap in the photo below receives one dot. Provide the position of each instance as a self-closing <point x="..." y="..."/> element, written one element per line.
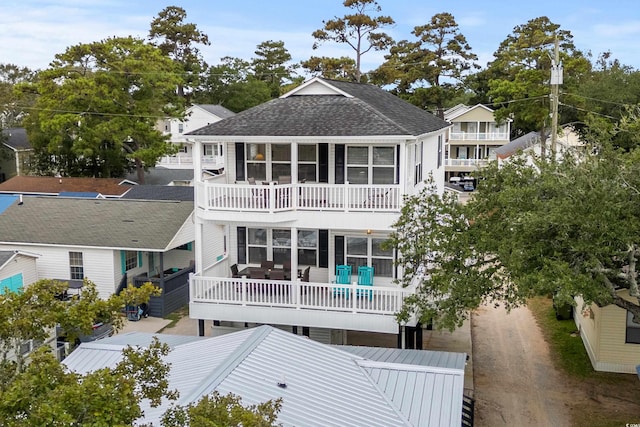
<point x="231" y="362"/>
<point x="368" y="363"/>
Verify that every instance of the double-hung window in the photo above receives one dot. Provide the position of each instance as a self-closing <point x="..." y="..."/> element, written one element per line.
<point x="371" y="165"/>
<point x="281" y="245"/>
<point x="280" y="160"/>
<point x="362" y="251"/>
<point x="130" y="260"/>
<point x="256" y="161"/>
<point x="76" y="266"/>
<point x="307" y="162"/>
<point x="257" y="245"/>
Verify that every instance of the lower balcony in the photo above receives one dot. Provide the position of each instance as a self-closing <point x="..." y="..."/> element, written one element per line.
<point x="296" y="303"/>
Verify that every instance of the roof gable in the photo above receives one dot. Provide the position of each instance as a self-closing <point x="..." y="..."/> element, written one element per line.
<point x="17" y="139"/>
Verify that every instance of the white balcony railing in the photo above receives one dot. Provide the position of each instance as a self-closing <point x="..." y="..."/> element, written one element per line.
<point x="287" y="197"/>
<point x="187" y="161"/>
<point x="296" y="295"/>
<point x="466" y="162"/>
<point x="478" y="136"/>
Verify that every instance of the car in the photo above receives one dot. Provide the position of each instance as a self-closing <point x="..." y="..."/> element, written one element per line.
<point x="468" y="186"/>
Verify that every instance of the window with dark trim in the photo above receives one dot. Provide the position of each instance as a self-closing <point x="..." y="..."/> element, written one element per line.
<point x="633" y="330"/>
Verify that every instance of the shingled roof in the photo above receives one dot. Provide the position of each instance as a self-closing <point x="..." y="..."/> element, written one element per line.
<point x="344" y="109"/>
<point x="51" y="185"/>
<point x="107" y="223"/>
<point x="17" y="139"/>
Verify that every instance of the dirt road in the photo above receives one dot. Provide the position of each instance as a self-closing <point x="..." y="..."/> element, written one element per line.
<point x="515" y="381"/>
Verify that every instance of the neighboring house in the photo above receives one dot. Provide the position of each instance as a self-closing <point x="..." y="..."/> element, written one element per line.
<point x="320" y="385"/>
<point x="66" y="186"/>
<point x="196" y="116"/>
<point x="610" y="336"/>
<point x="473" y="139"/>
<point x="530" y="145"/>
<point x="160" y="192"/>
<point x="17" y="270"/>
<point x="15" y="153"/>
<point x="313" y="180"/>
<point x="168" y="177"/>
<point x="109" y="241"/>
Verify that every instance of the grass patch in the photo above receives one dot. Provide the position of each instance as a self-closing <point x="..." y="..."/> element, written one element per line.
<point x="176" y="316"/>
<point x="568" y="352"/>
<point x="611" y="398"/>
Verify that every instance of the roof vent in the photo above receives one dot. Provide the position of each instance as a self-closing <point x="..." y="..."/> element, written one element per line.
<point x="283" y="382"/>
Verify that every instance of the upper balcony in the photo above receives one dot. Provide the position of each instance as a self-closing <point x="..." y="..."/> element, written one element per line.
<point x="478" y="136"/>
<point x="287" y="201"/>
<point x="186" y="162"/>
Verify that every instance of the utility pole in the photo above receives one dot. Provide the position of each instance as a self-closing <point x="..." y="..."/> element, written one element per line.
<point x="556" y="81"/>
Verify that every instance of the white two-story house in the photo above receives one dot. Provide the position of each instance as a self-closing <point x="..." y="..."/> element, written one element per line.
<point x="313" y="180"/>
<point x="196" y="116"/>
<point x="473" y="139"/>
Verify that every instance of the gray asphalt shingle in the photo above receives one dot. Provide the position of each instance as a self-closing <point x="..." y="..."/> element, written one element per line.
<point x="370" y="112"/>
<point x="110" y="223"/>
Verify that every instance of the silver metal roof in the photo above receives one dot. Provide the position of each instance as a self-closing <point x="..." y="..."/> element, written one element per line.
<point x="440" y="359"/>
<point x="143" y="339"/>
<point x="325" y="385"/>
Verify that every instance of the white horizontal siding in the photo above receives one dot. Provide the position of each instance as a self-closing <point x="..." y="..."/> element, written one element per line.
<point x="21" y="264"/>
<point x="53" y="263"/>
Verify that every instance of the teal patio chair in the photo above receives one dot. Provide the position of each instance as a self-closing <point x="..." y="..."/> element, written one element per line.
<point x="343" y="277"/>
<point x="365" y="278"/>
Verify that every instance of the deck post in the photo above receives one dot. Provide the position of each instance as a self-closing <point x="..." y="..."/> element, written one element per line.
<point x="200" y="327"/>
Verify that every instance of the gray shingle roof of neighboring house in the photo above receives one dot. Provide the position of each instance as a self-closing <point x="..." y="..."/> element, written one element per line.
<point x="6" y="256"/>
<point x="216" y="109"/>
<point x="325" y="386"/>
<point x="17" y="139"/>
<point x="161" y="176"/>
<point x="160" y="192"/>
<point x="521" y="143"/>
<point x="370" y="111"/>
<point x="106" y="223"/>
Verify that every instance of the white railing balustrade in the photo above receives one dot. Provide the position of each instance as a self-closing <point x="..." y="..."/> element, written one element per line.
<point x="297" y="295"/>
<point x="478" y="136"/>
<point x="286" y="197"/>
<point x="466" y="162"/>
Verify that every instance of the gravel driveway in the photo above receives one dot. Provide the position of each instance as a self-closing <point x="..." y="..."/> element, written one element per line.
<point x="515" y="381"/>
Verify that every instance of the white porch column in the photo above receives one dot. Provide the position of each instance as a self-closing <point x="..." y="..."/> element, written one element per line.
<point x="294" y="253"/>
<point x="196" y="154"/>
<point x="294" y="162"/>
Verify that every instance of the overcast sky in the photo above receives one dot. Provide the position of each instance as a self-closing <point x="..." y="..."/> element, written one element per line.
<point x="33" y="31"/>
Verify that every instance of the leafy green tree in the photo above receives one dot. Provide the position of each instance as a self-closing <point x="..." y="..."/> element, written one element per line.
<point x="12" y="107"/>
<point x="430" y="70"/>
<point x="521" y="72"/>
<point x="47" y="394"/>
<point x="218" y="410"/>
<point x="233" y="85"/>
<point x="178" y="39"/>
<point x="34" y="312"/>
<point x="568" y="228"/>
<point x="98" y="105"/>
<point x="343" y="68"/>
<point x="603" y="97"/>
<point x="270" y="65"/>
<point x="359" y="30"/>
